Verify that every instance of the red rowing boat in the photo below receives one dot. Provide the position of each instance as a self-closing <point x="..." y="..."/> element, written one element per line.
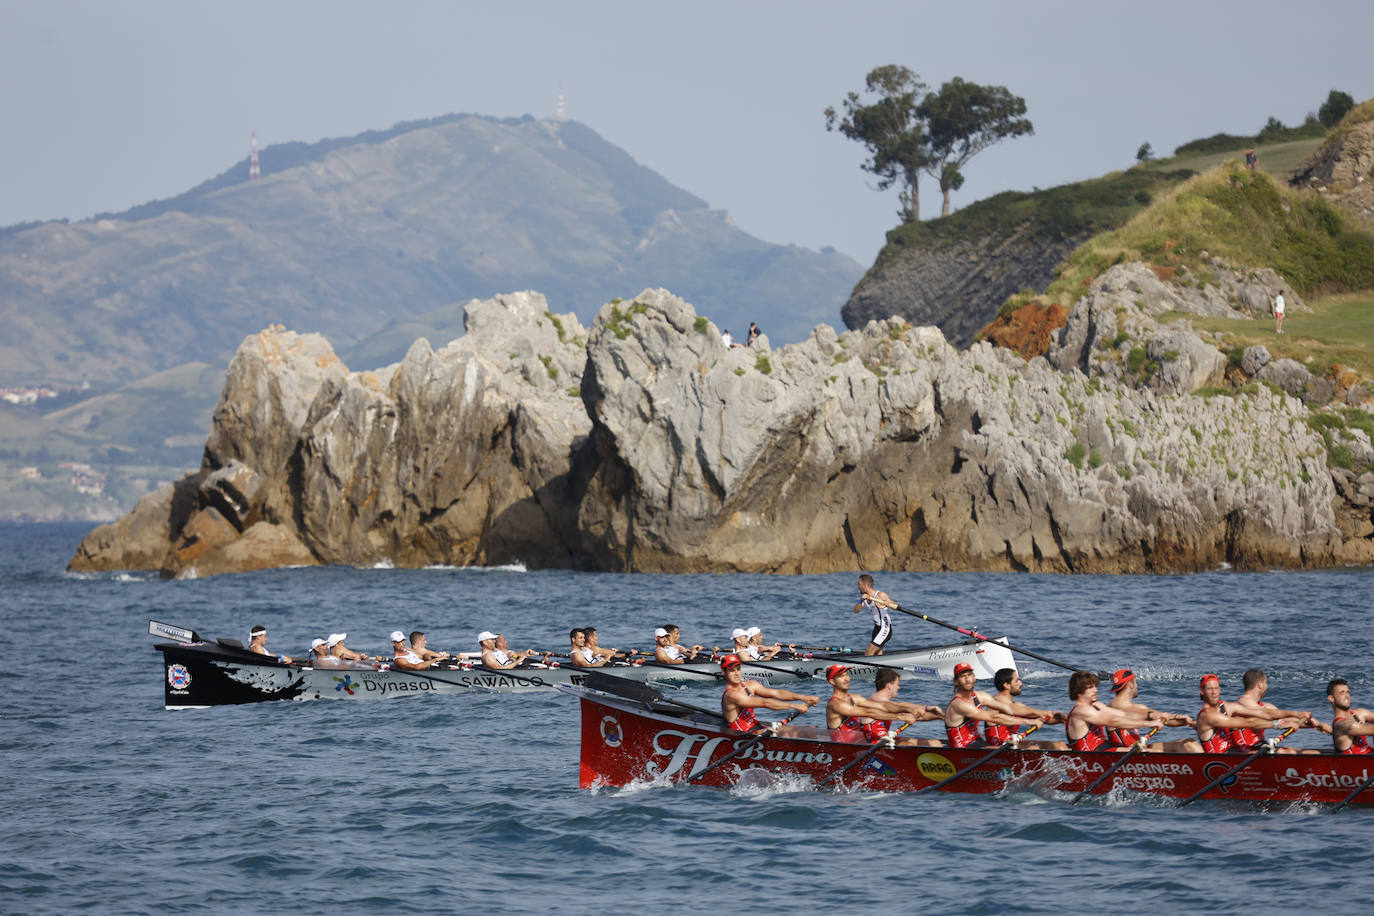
<point x="640" y="735"/>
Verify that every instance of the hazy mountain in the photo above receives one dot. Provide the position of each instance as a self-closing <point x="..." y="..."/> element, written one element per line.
<point x="375" y="238"/>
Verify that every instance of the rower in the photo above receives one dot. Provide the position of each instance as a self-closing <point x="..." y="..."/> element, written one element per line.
<point x="666" y="649"/>
<point x="878" y="604"/>
<point x="1089" y="724"/>
<point x="319" y="654"/>
<point x="609" y="654"/>
<point x="741" y="698"/>
<point x="888" y="681"/>
<point x="1256" y="686"/>
<point x="404" y="657"/>
<point x="582" y="654"/>
<point x="1350" y="727"/>
<point x="1126" y="688"/>
<point x="257" y="642"/>
<point x="1215" y="723"/>
<point x="846" y="714"/>
<point x="1009" y="686"/>
<point x="969" y="707"/>
<point x="494" y="655"/>
<point x="417" y="645"/>
<point x="339" y="650"/>
<point x="741" y="647"/>
<point x="759" y="650"/>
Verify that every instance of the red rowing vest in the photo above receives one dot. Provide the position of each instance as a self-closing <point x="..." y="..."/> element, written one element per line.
<point x="876" y="730"/>
<point x="1123" y="737"/>
<point x="996" y="735"/>
<point x="746" y="721"/>
<point x="965" y="733"/>
<point x="1220" y="742"/>
<point x="1357" y="743"/>
<point x="1096" y="736"/>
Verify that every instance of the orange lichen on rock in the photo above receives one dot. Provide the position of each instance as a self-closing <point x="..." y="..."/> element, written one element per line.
<point x="1027" y="330"/>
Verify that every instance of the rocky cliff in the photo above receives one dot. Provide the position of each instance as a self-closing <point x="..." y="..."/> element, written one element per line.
<point x="643" y="443"/>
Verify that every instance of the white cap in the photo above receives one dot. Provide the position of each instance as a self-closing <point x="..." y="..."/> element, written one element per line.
<point x="753" y="631"/>
<point x="334" y="639"/>
<point x="485" y="635"/>
<point x="316" y="644"/>
<point x="397" y="636"/>
<point x="738" y="633"/>
<point x="660" y="632"/>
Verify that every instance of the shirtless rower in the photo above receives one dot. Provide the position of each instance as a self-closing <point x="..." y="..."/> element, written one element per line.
<point x="417" y="645"/>
<point x="741" y="698"/>
<point x="888" y="681"/>
<point x="1256" y="686"/>
<point x="257" y="642"/>
<point x="666" y="649"/>
<point x="1126" y="688"/>
<point x="339" y="650"/>
<point x="494" y="655"/>
<point x="878" y="604"/>
<point x="847" y="715"/>
<point x="404" y="657"/>
<point x="1350" y="727"/>
<point x="969" y="707"/>
<point x="1089" y="724"/>
<point x="1008" y="684"/>
<point x="1215" y="722"/>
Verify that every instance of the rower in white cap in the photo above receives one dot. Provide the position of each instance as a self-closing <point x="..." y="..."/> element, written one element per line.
<point x="666" y="649"/>
<point x="495" y="655"/>
<point x="404" y="657"/>
<point x="335" y="642"/>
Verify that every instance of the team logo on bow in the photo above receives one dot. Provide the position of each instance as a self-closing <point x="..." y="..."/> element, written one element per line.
<point x="178" y="677"/>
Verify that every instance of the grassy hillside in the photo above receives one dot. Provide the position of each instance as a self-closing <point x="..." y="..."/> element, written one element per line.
<point x="1277" y="159"/>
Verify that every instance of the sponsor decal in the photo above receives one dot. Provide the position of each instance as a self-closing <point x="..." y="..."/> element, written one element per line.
<point x="1216" y="768"/>
<point x="345" y="684"/>
<point x="1329" y="779"/>
<point x="1165" y="769"/>
<point x="683" y="748"/>
<point x="398" y="687"/>
<point x="178" y="677"/>
<point x="610" y="731"/>
<point x="935" y="767"/>
<point x="878" y="767"/>
<point x="1144" y="783"/>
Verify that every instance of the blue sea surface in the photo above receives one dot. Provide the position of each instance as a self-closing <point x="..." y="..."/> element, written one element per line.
<point x="109" y="803"/>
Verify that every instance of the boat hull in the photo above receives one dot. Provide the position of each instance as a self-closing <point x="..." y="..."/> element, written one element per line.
<point x="622" y="743"/>
<point x="201" y="674"/>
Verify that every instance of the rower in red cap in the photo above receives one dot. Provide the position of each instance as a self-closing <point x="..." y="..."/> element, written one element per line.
<point x="969" y="707"/>
<point x="741" y="698"/>
<point x="1214" y="721"/>
<point x="1126" y="688"/>
<point x="1089" y="724"/>
<point x="846" y="715"/>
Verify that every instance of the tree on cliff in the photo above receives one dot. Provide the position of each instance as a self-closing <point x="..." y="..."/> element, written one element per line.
<point x="937" y="134"/>
<point x="1335" y="107"/>
<point x="961" y="121"/>
<point x="889" y="126"/>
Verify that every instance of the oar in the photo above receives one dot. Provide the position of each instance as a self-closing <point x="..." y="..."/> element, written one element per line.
<point x="1139" y="746"/>
<point x="1235" y="769"/>
<point x="976" y="635"/>
<point x="1351" y="797"/>
<point x="975" y="765"/>
<point x="787" y="671"/>
<point x="878" y="746"/>
<point x="172" y="631"/>
<point x="773" y="730"/>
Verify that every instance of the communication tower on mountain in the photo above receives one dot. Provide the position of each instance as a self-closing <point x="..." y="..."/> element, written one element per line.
<point x="254" y="170"/>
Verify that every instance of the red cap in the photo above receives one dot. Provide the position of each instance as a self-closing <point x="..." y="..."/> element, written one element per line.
<point x="1121" y="679"/>
<point x="730" y="661"/>
<point x="961" y="668"/>
<point x="834" y="670"/>
<point x="1206" y="678"/>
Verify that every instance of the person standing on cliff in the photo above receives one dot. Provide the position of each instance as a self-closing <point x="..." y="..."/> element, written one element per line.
<point x="878" y="604"/>
<point x="1279" y="307"/>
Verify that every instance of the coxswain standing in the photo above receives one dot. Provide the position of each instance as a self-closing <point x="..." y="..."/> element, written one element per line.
<point x="1350" y="727"/>
<point x="1089" y="725"/>
<point x="878" y="604"/>
<point x="1215" y="723"/>
<point x="741" y="698"/>
<point x="1126" y="688"/>
<point x="1008" y="684"/>
<point x="847" y="715"/>
<point x="970" y="706"/>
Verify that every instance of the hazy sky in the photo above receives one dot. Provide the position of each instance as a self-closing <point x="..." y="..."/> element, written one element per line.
<point x="114" y="103"/>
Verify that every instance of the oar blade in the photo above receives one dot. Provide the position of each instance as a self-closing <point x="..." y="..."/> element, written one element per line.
<point x="172" y="631"/>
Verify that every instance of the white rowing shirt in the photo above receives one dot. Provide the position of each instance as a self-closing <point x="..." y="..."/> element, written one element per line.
<point x="587" y="654"/>
<point x="881" y="617"/>
<point x="672" y="652"/>
<point x="501" y="657"/>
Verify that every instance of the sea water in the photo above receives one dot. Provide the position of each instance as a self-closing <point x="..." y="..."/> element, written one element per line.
<point x="109" y="803"/>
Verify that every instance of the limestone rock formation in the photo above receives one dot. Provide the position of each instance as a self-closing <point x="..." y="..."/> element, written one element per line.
<point x="1343" y="169"/>
<point x="646" y="444"/>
